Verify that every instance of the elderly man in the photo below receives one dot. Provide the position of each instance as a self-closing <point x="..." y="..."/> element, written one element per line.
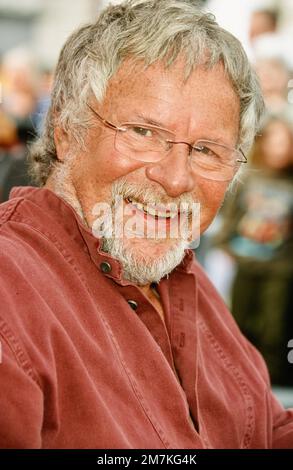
<point x="112" y="336"/>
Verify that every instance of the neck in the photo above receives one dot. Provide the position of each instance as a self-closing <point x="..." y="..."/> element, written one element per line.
<point x="60" y="183"/>
<point x="153" y="296"/>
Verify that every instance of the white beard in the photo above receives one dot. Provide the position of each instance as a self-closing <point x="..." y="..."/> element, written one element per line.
<point x="141" y="268"/>
<point x="138" y="266"/>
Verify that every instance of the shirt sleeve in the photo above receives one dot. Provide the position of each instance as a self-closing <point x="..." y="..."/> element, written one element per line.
<point x="280" y="420"/>
<point x="21" y="402"/>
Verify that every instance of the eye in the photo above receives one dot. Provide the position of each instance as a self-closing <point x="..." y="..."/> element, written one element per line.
<point x="205" y="151"/>
<point x="143" y="131"/>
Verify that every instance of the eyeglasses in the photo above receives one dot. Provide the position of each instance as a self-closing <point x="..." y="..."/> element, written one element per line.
<point x="149" y="143"/>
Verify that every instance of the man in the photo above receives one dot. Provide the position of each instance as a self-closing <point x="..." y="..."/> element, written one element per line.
<point x="262" y="22"/>
<point x="112" y="335"/>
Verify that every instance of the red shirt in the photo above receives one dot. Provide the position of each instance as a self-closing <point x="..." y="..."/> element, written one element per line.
<point x="82" y="369"/>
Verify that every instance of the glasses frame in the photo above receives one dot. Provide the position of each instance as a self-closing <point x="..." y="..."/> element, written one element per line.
<point x="112" y="126"/>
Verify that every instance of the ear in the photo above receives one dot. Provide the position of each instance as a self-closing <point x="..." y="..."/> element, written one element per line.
<point x="62" y="143"/>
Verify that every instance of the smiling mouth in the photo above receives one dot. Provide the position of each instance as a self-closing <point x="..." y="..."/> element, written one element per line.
<point x="157" y="213"/>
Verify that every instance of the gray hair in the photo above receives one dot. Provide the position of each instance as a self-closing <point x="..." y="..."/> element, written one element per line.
<point x="148" y="31"/>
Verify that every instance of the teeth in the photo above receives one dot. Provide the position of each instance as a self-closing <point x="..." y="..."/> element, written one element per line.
<point x="152" y="211"/>
<point x="138" y="205"/>
<point x="172" y="215"/>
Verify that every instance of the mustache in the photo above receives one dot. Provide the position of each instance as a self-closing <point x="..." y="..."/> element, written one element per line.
<point x="146" y="193"/>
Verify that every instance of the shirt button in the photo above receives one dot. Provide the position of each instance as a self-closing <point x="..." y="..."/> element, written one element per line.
<point x="106" y="267"/>
<point x="132" y="304"/>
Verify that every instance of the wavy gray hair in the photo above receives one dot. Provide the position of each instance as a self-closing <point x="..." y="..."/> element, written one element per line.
<point x="148" y="30"/>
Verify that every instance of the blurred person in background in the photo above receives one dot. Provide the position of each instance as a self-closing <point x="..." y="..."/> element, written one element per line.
<point x="257" y="231"/>
<point x="19" y="93"/>
<point x="274" y="77"/>
<point x="269" y="46"/>
<point x="8" y="139"/>
<point x="44" y="97"/>
<point x="20" y="81"/>
<point x="262" y="22"/>
<point x="269" y="42"/>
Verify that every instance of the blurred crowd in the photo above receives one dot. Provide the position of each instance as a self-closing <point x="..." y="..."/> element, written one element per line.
<point x="24" y="99"/>
<point x="247" y="252"/>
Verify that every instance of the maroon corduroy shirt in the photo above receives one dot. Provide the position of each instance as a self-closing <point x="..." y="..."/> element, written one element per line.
<point x="82" y="368"/>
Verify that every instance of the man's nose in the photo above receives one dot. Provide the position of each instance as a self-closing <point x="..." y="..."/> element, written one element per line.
<point x="173" y="172"/>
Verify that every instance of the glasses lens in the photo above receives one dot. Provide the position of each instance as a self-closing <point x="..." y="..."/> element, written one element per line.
<point x="144" y="143"/>
<point x="214" y="161"/>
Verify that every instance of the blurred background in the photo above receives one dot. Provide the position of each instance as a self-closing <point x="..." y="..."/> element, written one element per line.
<point x="247" y="252"/>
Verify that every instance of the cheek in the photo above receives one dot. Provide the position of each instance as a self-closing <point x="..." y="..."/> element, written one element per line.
<point x="210" y="194"/>
<point x="104" y="165"/>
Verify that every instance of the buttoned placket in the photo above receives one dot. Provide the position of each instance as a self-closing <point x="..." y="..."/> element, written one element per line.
<point x="170" y="335"/>
<point x="147" y="313"/>
<point x="183" y="335"/>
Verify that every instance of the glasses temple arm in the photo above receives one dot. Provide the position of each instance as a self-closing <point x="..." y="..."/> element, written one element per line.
<point x="244" y="156"/>
<point x="103" y="121"/>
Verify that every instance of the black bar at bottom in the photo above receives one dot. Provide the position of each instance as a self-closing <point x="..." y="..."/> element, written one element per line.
<point x="140" y="458"/>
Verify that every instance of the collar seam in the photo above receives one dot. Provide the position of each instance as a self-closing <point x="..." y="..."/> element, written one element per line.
<point x="54" y="240"/>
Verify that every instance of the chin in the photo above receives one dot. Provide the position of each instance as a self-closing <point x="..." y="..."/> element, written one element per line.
<point x="148" y="248"/>
<point x="146" y="260"/>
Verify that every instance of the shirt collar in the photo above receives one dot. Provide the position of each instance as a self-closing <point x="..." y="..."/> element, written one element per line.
<point x="64" y="214"/>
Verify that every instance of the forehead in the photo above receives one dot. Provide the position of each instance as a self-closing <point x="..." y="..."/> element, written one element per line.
<point x="206" y="96"/>
<point x="133" y="79"/>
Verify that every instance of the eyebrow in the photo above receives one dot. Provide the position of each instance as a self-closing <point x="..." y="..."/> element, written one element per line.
<point x="149" y="120"/>
<point x="154" y="122"/>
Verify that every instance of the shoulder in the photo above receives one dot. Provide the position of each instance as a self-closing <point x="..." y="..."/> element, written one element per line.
<point x="7" y="210"/>
<point x="220" y="329"/>
<point x="24" y="252"/>
<point x="20" y="241"/>
<point x="213" y="311"/>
